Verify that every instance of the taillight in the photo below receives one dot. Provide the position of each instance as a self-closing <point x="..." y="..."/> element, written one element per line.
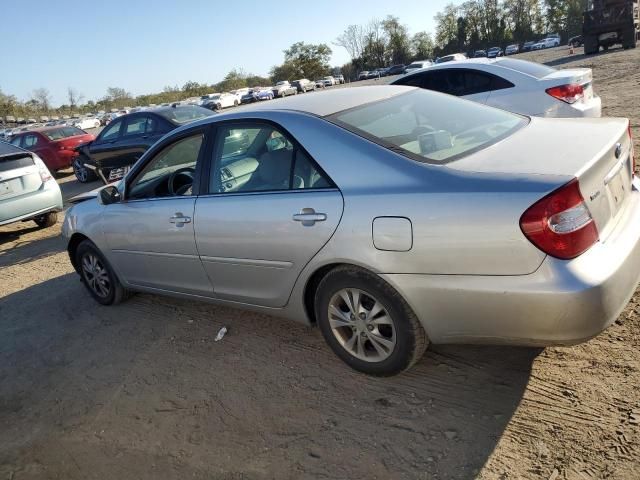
<point x="570" y="93"/>
<point x="560" y="224"/>
<point x="45" y="176"/>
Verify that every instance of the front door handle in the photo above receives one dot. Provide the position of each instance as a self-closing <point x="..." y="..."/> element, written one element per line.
<point x="308" y="217"/>
<point x="179" y="219"/>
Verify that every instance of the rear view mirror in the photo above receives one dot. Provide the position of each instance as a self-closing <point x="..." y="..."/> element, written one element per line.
<point x="434" y="141"/>
<point x="109" y="195"/>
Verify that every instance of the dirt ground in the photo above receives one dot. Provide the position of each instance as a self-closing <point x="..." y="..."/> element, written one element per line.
<point x="142" y="391"/>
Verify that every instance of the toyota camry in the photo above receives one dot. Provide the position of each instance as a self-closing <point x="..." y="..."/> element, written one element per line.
<point x="390" y="217"/>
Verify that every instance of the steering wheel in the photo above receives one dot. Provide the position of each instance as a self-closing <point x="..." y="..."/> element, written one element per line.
<point x="187" y="172"/>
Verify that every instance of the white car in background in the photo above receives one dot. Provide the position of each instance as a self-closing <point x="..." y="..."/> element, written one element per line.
<point x="518" y="86"/>
<point x="417" y="65"/>
<point x="86" y="123"/>
<point x="548" y="42"/>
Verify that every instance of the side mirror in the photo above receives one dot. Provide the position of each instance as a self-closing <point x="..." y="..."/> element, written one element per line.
<point x="109" y="195"/>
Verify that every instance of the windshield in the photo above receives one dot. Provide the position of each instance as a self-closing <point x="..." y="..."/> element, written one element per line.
<point x="429" y="126"/>
<point x="185" y="114"/>
<point x="63" y="132"/>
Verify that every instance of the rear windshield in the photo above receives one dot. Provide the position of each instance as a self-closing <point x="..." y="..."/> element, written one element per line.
<point x="62" y="132"/>
<point x="533" y="69"/>
<point x="11" y="162"/>
<point x="428" y="126"/>
<point x="185" y="114"/>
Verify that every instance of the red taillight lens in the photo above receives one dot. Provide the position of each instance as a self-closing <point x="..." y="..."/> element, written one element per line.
<point x="560" y="224"/>
<point x="570" y="93"/>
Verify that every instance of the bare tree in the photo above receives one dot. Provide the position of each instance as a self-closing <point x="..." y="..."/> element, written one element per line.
<point x="42" y="97"/>
<point x="74" y="97"/>
<point x="353" y="40"/>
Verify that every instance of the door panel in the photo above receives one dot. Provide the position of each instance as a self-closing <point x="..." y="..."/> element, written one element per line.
<point x="252" y="248"/>
<point x="151" y="249"/>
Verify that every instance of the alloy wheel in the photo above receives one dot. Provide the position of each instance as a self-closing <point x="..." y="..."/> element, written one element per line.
<point x="80" y="171"/>
<point x="95" y="275"/>
<point x="362" y="325"/>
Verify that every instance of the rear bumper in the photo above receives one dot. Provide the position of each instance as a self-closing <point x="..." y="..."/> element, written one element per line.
<point x="64" y="159"/>
<point x="563" y="302"/>
<point x="590" y="109"/>
<point x="47" y="199"/>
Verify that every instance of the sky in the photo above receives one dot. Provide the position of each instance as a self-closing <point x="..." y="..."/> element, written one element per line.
<point x="144" y="45"/>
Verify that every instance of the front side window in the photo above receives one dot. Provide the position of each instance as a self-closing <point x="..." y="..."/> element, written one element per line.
<point x="258" y="158"/>
<point x="429" y="127"/>
<point x="111" y="132"/>
<point x="171" y="172"/>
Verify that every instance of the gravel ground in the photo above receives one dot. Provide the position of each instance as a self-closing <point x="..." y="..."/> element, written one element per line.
<point x="141" y="390"/>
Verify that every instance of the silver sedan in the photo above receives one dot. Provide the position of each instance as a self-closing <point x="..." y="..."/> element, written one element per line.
<point x="388" y="216"/>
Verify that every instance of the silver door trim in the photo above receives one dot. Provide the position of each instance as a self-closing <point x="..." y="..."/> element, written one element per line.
<point x="249" y="262"/>
<point x="155" y="254"/>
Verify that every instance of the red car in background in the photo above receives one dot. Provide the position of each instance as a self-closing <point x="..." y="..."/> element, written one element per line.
<point x="54" y="145"/>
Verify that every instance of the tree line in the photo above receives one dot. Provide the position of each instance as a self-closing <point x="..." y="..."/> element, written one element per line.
<point x="461" y="27"/>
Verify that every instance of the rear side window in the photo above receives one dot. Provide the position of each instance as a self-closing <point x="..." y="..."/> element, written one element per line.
<point x="532" y="69"/>
<point x="410" y="80"/>
<point x="62" y="132"/>
<point x="428" y="127"/>
<point x="11" y="162"/>
<point x="29" y="141"/>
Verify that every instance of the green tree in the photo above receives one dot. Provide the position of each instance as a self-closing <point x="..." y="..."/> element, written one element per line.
<point x="398" y="45"/>
<point x="422" y="46"/>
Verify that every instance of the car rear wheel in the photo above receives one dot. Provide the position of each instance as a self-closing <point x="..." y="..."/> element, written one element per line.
<point x="98" y="276"/>
<point x="46" y="220"/>
<point x="82" y="173"/>
<point x="367" y="323"/>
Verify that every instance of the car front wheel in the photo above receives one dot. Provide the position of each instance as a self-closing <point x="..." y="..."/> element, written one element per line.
<point x="98" y="276"/>
<point x="82" y="173"/>
<point x="367" y="323"/>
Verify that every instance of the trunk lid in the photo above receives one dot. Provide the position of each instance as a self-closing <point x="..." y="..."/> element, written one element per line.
<point x="595" y="151"/>
<point x="19" y="175"/>
<point x="70" y="143"/>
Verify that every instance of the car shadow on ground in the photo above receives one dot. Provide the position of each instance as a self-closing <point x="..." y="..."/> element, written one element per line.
<point x="141" y="390"/>
<point x="24" y="242"/>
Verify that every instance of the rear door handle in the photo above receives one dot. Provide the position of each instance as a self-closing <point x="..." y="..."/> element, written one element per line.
<point x="308" y="217"/>
<point x="179" y="219"/>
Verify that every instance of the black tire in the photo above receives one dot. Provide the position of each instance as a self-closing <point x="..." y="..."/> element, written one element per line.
<point x="411" y="339"/>
<point x="82" y="173"/>
<point x="46" y="219"/>
<point x="116" y="292"/>
<point x="629" y="38"/>
<point x="236" y="103"/>
<point x="590" y="45"/>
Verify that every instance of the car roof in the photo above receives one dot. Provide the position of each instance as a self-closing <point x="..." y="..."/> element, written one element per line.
<point x="329" y="102"/>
